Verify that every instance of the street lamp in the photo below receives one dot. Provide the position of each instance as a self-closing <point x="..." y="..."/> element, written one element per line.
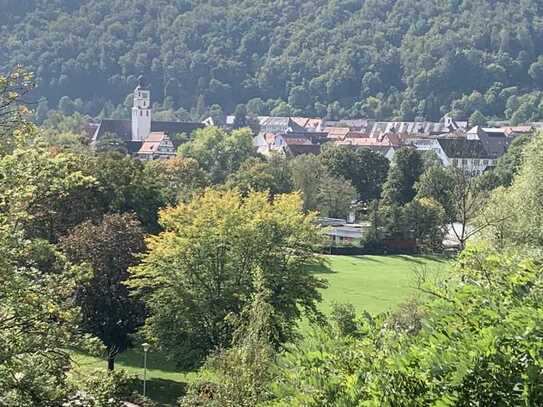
<point x="146" y="347"/>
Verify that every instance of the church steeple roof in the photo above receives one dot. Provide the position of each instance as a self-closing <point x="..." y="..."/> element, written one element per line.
<point x="142" y="83"/>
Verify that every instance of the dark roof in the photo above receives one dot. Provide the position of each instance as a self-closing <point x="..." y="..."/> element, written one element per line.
<point x="123" y="128"/>
<point x="134" y="146"/>
<point x="495" y="145"/>
<point x="299" y="149"/>
<point x="314" y="136"/>
<point x="463" y="148"/>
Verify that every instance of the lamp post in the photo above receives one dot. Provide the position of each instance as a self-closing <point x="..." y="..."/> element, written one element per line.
<point x="146" y="347"/>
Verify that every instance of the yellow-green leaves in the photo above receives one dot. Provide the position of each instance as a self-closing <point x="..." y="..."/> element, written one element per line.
<point x="201" y="268"/>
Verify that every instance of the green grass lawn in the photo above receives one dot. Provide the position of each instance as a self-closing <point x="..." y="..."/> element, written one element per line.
<point x="165" y="382"/>
<point x="372" y="283"/>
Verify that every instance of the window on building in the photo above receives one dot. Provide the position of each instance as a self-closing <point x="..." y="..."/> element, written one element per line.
<point x="464" y="162"/>
<point x="485" y="162"/>
<point x="476" y="162"/>
<point x="147" y="113"/>
<point x="454" y="162"/>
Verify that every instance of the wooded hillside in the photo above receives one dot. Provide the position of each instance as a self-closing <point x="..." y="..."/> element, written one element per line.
<point x="351" y="58"/>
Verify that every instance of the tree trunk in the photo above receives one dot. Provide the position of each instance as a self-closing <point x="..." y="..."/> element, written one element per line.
<point x="110" y="362"/>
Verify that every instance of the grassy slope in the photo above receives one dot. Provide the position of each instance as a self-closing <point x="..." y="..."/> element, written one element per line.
<point x="372" y="283"/>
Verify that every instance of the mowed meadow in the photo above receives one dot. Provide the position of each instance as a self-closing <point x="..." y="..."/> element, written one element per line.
<point x="375" y="283"/>
<point x="371" y="283"/>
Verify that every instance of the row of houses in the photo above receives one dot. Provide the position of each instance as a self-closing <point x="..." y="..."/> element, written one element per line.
<point x="473" y="149"/>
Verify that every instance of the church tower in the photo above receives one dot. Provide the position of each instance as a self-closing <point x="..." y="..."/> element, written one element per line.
<point x="141" y="112"/>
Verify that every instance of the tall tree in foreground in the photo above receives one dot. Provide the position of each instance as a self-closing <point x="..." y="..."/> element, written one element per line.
<point x="109" y="248"/>
<point x="516" y="213"/>
<point x="244" y="370"/>
<point x="201" y="269"/>
<point x="37" y="313"/>
<point x="13" y="87"/>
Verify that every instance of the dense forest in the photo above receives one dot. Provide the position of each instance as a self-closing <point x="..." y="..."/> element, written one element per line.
<point x="380" y="59"/>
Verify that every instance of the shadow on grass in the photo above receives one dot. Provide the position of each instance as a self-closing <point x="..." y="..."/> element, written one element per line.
<point x="321" y="269"/>
<point x="132" y="359"/>
<point x="164" y="392"/>
<point x="367" y="257"/>
<point x="410" y="259"/>
<point x="419" y="258"/>
<point x="155" y="361"/>
<point x="436" y="258"/>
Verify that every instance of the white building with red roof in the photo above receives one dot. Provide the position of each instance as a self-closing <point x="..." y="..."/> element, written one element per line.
<point x="157" y="146"/>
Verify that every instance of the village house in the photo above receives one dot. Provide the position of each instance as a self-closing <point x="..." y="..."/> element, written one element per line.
<point x="289" y="143"/>
<point x="157" y="146"/>
<point x="471" y="156"/>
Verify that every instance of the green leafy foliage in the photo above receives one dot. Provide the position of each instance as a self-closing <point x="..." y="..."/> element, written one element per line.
<point x="407" y="166"/>
<point x="218" y="153"/>
<point x="515" y="213"/>
<point x="365" y="169"/>
<point x="477" y="342"/>
<point x="341" y="58"/>
<point x="14" y="85"/>
<point x="38" y="319"/>
<point x="177" y="179"/>
<point x="243" y="370"/>
<point x="257" y="174"/>
<point x="202" y="267"/>
<point x="110" y="248"/>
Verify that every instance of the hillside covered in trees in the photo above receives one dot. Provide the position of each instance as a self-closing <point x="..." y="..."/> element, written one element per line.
<point x="379" y="59"/>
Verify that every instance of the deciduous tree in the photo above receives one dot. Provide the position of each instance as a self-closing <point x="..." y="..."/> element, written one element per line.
<point x="407" y="167"/>
<point x="177" y="179"/>
<point x="218" y="153"/>
<point x="366" y="170"/>
<point x="110" y="248"/>
<point x="201" y="269"/>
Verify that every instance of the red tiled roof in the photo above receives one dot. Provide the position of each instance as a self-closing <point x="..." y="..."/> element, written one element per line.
<point x="296" y="141"/>
<point x="307" y="122"/>
<point x="392" y="139"/>
<point x="337" y="132"/>
<point x="151" y="143"/>
<point x="148" y="147"/>
<point x="518" y="129"/>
